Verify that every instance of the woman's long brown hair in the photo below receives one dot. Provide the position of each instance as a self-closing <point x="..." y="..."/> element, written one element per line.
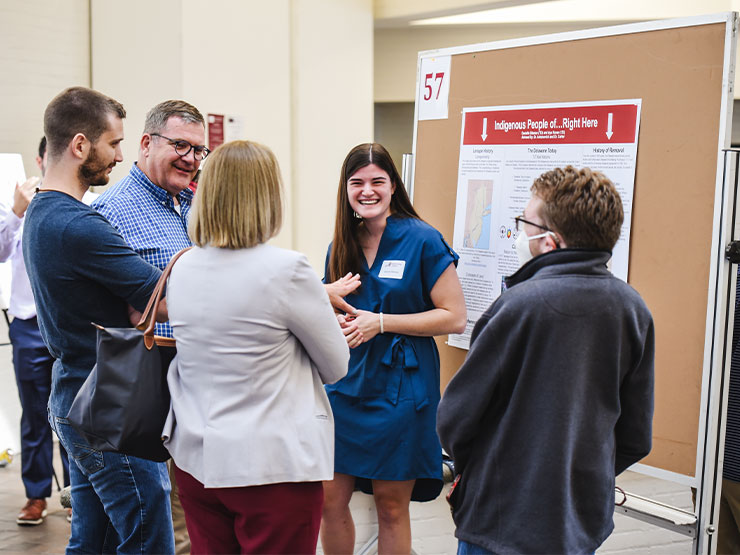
<point x="346" y="252"/>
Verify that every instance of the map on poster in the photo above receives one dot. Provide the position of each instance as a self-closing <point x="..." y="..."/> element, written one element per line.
<point x="478" y="214"/>
<point x="503" y="150"/>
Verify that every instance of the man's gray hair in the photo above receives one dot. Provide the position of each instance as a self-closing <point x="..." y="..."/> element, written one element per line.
<point x="156" y="119"/>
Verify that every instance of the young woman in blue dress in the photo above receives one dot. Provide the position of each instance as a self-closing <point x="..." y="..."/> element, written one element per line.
<point x="385" y="408"/>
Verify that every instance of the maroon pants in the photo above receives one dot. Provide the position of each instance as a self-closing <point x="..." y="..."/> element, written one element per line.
<point x="275" y="518"/>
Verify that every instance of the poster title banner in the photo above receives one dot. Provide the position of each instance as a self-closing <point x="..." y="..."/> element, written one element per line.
<point x="601" y="124"/>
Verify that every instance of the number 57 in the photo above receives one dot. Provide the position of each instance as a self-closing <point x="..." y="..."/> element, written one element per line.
<point x="438" y="78"/>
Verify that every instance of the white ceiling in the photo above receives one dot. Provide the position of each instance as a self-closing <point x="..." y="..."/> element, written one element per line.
<point x="402" y="13"/>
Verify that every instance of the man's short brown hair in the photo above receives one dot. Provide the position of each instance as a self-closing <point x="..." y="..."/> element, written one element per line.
<point x="583" y="206"/>
<point x="77" y="110"/>
<point x="156" y="119"/>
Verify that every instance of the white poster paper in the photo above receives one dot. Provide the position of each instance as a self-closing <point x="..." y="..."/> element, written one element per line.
<point x="502" y="151"/>
<point x="434" y="87"/>
<point x="11" y="172"/>
<point x="234" y="128"/>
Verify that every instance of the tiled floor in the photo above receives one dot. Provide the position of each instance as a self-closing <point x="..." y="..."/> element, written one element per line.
<point x="48" y="537"/>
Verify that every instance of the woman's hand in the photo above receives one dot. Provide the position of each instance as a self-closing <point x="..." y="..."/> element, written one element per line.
<point x="341" y="288"/>
<point x="368" y="324"/>
<point x="448" y="315"/>
<point x="351" y="333"/>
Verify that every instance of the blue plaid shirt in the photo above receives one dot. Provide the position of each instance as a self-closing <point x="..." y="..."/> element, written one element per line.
<point x="146" y="217"/>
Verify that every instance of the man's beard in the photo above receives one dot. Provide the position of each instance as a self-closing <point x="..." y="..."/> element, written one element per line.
<point x="93" y="171"/>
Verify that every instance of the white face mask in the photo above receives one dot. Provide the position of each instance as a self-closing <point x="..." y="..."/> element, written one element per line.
<point x="522" y="245"/>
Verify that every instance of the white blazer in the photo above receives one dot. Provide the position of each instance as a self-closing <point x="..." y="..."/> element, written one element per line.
<point x="256" y="340"/>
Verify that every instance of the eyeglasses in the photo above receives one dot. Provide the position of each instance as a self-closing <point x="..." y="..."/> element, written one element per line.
<point x="519" y="219"/>
<point x="183" y="148"/>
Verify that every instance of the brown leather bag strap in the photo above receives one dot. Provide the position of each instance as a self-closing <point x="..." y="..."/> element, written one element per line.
<point x="149" y="317"/>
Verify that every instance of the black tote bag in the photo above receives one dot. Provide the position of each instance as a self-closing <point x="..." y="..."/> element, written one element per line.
<point x="123" y="403"/>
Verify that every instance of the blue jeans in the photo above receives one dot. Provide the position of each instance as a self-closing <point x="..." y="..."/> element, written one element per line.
<point x="112" y="490"/>
<point x="466" y="548"/>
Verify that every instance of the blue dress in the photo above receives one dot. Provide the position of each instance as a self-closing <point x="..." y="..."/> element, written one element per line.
<point x="385" y="408"/>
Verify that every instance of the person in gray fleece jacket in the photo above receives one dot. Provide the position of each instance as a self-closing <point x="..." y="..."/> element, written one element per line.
<point x="555" y="397"/>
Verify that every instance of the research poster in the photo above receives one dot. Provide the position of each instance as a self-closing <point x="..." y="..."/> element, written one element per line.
<point x="503" y="150"/>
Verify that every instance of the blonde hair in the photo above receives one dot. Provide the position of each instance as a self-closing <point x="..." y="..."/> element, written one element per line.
<point x="239" y="199"/>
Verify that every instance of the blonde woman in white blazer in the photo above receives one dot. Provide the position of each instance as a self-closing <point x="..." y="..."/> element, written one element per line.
<point x="251" y="432"/>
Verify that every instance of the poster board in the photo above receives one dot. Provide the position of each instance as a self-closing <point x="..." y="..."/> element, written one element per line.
<point x="682" y="70"/>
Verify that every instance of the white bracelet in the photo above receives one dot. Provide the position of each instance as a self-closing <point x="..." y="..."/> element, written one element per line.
<point x="381" y="324"/>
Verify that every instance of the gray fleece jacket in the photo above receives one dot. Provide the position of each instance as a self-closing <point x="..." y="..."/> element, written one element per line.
<point x="554" y="399"/>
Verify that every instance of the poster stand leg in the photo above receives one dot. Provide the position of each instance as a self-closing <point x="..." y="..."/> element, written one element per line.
<point x="710" y="473"/>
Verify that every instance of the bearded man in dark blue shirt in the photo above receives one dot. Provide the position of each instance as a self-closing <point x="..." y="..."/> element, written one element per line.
<point x="82" y="271"/>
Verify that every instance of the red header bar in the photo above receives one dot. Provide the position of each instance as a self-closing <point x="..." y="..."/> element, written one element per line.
<point x="576" y="125"/>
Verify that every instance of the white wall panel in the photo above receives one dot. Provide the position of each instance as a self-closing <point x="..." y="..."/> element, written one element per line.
<point x="45" y="48"/>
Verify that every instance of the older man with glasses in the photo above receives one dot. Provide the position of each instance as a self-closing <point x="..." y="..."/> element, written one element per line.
<point x="151" y="205"/>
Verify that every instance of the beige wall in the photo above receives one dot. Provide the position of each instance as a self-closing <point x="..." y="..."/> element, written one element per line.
<point x="394" y="128"/>
<point x="237" y="61"/>
<point x="45" y="48"/>
<point x="136" y="55"/>
<point x="332" y="109"/>
<point x="396" y="50"/>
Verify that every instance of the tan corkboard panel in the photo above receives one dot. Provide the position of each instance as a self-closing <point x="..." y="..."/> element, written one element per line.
<point x="678" y="75"/>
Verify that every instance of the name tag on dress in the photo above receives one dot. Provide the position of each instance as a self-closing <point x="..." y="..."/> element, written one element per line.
<point x="392" y="269"/>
